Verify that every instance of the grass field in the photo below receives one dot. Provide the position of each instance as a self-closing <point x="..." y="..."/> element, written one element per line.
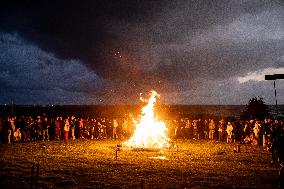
<point x="93" y="164"/>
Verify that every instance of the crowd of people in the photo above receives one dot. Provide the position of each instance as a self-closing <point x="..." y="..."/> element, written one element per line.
<point x="45" y="128"/>
<point x="268" y="133"/>
<point x="253" y="131"/>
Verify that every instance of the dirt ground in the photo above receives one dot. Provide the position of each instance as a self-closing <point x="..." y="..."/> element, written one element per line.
<point x="93" y="164"/>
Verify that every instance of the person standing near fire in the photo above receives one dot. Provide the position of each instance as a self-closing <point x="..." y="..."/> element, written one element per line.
<point x="57" y="128"/>
<point x="221" y="130"/>
<point x="38" y="128"/>
<point x="256" y="131"/>
<point x="92" y="128"/>
<point x="81" y="128"/>
<point x="114" y="129"/>
<point x="45" y="126"/>
<point x="30" y="130"/>
<point x="72" y="127"/>
<point x="7" y="128"/>
<point x="195" y="129"/>
<point x="66" y="128"/>
<point x="206" y="128"/>
<point x="265" y="131"/>
<point x="211" y="129"/>
<point x="187" y="129"/>
<point x="200" y="128"/>
<point x="102" y="129"/>
<point x="229" y="130"/>
<point x="13" y="125"/>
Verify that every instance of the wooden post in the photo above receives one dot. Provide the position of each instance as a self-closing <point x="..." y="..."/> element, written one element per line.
<point x="142" y="184"/>
<point x="34" y="176"/>
<point x="116" y="150"/>
<point x="238" y="148"/>
<point x="37" y="175"/>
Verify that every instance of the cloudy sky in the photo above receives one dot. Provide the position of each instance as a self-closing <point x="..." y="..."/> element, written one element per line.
<point x="105" y="52"/>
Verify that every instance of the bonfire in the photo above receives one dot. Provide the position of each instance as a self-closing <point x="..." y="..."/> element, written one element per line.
<point x="150" y="132"/>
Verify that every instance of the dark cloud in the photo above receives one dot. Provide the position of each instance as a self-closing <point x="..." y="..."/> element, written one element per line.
<point x="26" y="69"/>
<point x="175" y="47"/>
<point x="94" y="30"/>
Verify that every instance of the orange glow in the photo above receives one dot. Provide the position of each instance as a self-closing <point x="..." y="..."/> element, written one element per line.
<point x="150" y="132"/>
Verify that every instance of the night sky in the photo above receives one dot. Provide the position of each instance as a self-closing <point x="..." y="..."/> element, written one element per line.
<point x="110" y="51"/>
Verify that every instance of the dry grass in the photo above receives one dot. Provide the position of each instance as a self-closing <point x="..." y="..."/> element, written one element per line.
<point x="92" y="164"/>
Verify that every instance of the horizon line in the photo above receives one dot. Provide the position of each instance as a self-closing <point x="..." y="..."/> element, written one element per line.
<point x="132" y="104"/>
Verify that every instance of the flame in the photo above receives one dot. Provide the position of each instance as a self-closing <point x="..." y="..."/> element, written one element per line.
<point x="150" y="132"/>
